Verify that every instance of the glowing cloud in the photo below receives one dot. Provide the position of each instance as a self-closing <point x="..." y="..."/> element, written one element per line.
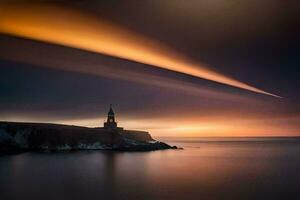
<point x="73" y="29"/>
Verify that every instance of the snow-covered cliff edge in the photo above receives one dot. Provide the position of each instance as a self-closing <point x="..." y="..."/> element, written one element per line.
<point x="15" y="136"/>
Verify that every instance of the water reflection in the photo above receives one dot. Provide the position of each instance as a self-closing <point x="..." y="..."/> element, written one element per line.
<point x="206" y="170"/>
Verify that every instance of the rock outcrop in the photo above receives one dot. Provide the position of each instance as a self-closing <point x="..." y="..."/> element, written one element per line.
<point x="16" y="137"/>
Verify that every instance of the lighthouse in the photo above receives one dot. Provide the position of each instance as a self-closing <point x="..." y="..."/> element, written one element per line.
<point x="111" y="121"/>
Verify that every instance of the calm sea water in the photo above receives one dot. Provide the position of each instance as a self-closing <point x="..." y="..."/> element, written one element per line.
<point x="231" y="168"/>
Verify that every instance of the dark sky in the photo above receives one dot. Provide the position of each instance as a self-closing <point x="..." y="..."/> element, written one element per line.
<point x="255" y="42"/>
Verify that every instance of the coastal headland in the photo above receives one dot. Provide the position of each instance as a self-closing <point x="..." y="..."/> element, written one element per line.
<point x="46" y="137"/>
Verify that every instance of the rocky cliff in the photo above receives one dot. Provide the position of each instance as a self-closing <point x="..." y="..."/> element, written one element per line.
<point x="16" y="136"/>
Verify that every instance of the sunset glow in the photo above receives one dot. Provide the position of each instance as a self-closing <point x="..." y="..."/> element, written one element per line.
<point x="193" y="127"/>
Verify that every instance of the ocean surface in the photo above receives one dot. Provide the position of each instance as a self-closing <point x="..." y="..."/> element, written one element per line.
<point x="207" y="168"/>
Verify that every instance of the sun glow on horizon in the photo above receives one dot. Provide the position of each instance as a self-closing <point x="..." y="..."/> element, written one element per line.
<point x="193" y="127"/>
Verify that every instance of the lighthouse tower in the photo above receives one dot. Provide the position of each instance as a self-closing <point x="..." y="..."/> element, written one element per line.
<point x="110" y="123"/>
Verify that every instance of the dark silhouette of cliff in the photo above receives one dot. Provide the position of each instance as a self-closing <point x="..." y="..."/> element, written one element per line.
<point x="16" y="136"/>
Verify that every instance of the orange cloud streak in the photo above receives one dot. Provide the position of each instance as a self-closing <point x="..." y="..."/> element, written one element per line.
<point x="74" y="29"/>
